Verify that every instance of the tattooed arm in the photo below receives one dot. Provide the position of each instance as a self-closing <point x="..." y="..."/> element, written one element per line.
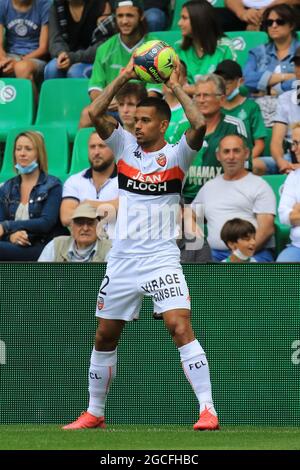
<point x="105" y="124"/>
<point x="196" y="133"/>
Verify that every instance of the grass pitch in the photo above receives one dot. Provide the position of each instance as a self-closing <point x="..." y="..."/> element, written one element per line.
<point x="51" y="437"/>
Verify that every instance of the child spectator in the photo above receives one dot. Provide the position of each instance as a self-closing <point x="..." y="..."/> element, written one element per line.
<point x="239" y="236"/>
<point x="24" y="38"/>
<point x="243" y="108"/>
<point x="127" y="98"/>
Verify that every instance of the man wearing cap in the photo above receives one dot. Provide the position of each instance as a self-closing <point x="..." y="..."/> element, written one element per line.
<point x="83" y="245"/>
<point x="243" y="108"/>
<point x="97" y="185"/>
<point x="287" y="113"/>
<point x="115" y="53"/>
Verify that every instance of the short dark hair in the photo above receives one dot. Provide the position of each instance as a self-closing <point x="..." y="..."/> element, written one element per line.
<point x="239" y="136"/>
<point x="161" y="106"/>
<point x="235" y="229"/>
<point x="286" y="12"/>
<point x="206" y="28"/>
<point x="136" y="89"/>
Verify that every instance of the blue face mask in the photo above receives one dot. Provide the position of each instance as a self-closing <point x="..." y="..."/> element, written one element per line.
<point x="233" y="94"/>
<point x="26" y="170"/>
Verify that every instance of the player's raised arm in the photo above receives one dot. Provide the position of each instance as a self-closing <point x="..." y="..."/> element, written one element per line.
<point x="195" y="135"/>
<point x="105" y="124"/>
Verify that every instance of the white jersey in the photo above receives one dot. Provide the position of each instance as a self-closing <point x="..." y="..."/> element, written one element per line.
<point x="150" y="185"/>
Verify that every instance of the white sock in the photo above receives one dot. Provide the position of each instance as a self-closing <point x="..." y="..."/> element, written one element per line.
<point x="196" y="370"/>
<point x="102" y="370"/>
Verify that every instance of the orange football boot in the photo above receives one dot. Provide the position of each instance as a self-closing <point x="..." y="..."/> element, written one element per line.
<point x="207" y="422"/>
<point x="86" y="421"/>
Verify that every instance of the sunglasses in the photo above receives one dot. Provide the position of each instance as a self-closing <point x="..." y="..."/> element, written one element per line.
<point x="278" y="22"/>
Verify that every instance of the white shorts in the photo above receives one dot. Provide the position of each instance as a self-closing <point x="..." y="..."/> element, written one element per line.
<point x="127" y="280"/>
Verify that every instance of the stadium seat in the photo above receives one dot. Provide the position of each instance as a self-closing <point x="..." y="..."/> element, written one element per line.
<point x="57" y="145"/>
<point x="168" y="36"/>
<point x="61" y="102"/>
<point x="79" y="159"/>
<point x="243" y="41"/>
<point x="16" y="104"/>
<point x="178" y="7"/>
<point x="282" y="231"/>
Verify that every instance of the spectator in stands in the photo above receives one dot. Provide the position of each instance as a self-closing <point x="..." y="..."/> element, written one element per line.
<point x="269" y="70"/>
<point x="237" y="193"/>
<point x="24" y="38"/>
<point x="247" y="14"/>
<point x="97" y="185"/>
<point x="243" y="108"/>
<point x="82" y="246"/>
<point x="203" y="45"/>
<point x="156" y="14"/>
<point x="210" y="97"/>
<point x="127" y="98"/>
<point x="115" y="53"/>
<point x="287" y="113"/>
<point x="76" y="29"/>
<point x="289" y="205"/>
<point x="179" y="122"/>
<point x="239" y="237"/>
<point x="29" y="202"/>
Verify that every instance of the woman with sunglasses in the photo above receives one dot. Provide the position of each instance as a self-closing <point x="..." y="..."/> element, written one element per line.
<point x="289" y="205"/>
<point x="269" y="70"/>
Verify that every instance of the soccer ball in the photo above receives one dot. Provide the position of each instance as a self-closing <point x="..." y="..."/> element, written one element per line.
<point x="153" y="61"/>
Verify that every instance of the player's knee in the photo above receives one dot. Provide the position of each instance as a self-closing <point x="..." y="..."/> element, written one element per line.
<point x="105" y="340"/>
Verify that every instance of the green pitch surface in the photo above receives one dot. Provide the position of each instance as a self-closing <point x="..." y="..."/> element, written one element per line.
<point x="50" y="437"/>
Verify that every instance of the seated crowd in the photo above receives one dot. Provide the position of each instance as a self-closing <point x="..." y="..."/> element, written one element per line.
<point x="251" y="110"/>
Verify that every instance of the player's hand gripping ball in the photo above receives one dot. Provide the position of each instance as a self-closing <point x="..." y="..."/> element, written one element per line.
<point x="153" y="61"/>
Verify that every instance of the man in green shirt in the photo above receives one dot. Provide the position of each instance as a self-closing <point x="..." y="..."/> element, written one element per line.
<point x="210" y="97"/>
<point x="115" y="53"/>
<point x="243" y="108"/>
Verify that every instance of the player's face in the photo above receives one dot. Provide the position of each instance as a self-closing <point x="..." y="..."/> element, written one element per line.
<point x="100" y="156"/>
<point x="184" y="23"/>
<point x="232" y="155"/>
<point x="127" y="109"/>
<point x="84" y="231"/>
<point x="149" y="127"/>
<point x="128" y="19"/>
<point x="246" y="245"/>
<point x="207" y="98"/>
<point x="25" y="152"/>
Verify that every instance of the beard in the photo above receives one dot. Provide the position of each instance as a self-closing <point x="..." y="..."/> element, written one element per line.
<point x="101" y="167"/>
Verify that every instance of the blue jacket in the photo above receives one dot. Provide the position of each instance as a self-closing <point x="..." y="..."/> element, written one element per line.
<point x="261" y="64"/>
<point x="44" y="203"/>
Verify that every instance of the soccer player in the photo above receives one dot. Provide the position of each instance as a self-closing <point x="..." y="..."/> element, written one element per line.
<point x="144" y="259"/>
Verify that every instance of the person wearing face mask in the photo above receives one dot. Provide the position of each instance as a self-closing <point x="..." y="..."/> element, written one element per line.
<point x="243" y="108"/>
<point x="29" y="202"/>
<point x="239" y="237"/>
